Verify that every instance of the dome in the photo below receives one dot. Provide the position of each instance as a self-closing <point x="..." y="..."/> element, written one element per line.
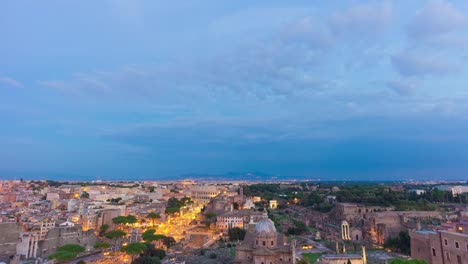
<point x="265" y="226"/>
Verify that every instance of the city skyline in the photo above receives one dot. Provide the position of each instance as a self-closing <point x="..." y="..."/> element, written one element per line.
<point x="145" y="89"/>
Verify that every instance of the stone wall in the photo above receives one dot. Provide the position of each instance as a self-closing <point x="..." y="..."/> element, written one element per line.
<point x="60" y="236"/>
<point x="9" y="234"/>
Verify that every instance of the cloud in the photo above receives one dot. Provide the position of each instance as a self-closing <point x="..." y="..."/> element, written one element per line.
<point x="435" y="18"/>
<point x="402" y="87"/>
<point x="310" y="31"/>
<point x="364" y="18"/>
<point x="10" y="82"/>
<point x="412" y="64"/>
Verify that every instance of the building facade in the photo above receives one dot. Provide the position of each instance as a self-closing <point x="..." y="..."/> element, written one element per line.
<point x="439" y="247"/>
<point x="263" y="245"/>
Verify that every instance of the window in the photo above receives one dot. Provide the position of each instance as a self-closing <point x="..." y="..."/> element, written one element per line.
<point x="459" y="259"/>
<point x="272" y="243"/>
<point x="256" y="242"/>
<point x="447" y="255"/>
<point x="433" y="252"/>
<point x="445" y="242"/>
<point x="457" y="245"/>
<point x="264" y="243"/>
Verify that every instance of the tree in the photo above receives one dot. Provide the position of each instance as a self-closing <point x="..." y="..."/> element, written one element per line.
<point x="210" y="216"/>
<point x="153" y="216"/>
<point x="103" y="229"/>
<point x="81" y="262"/>
<point x="122" y="220"/>
<point x="102" y="245"/>
<point x="67" y="252"/>
<point x="151" y="251"/>
<point x="146" y="260"/>
<point x="302" y="261"/>
<point x="133" y="249"/>
<point x="169" y="241"/>
<point x="85" y="195"/>
<point x="171" y="210"/>
<point x="131" y="219"/>
<point x="401" y="243"/>
<point x="236" y="234"/>
<point x="119" y="220"/>
<point x="235" y="206"/>
<point x="148" y="235"/>
<point x="115" y="235"/>
<point x="151" y="189"/>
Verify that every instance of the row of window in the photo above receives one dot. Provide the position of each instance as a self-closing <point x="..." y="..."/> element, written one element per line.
<point x="457" y="244"/>
<point x="264" y="243"/>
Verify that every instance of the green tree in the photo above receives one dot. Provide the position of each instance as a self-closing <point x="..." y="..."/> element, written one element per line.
<point x="169" y="241"/>
<point x="122" y="220"/>
<point x="210" y="215"/>
<point x="236" y="234"/>
<point x="147" y="260"/>
<point x="119" y="220"/>
<point x="131" y="219"/>
<point x="102" y="245"/>
<point x="62" y="256"/>
<point x="67" y="252"/>
<point x="85" y="195"/>
<point x="171" y="210"/>
<point x="134" y="249"/>
<point x="153" y="216"/>
<point x="151" y="251"/>
<point x="401" y="243"/>
<point x="116" y="235"/>
<point x="148" y="235"/>
<point x="103" y="229"/>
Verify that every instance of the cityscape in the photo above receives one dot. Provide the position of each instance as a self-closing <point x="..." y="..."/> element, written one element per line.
<point x="234" y="132"/>
<point x="195" y="221"/>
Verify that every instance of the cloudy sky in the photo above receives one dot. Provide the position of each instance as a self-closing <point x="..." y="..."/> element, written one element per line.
<point x="317" y="89"/>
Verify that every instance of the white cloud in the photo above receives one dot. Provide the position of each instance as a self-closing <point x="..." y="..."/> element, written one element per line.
<point x="10" y="82"/>
<point x="369" y="18"/>
<point x="414" y="64"/>
<point x="403" y="86"/>
<point x="435" y="18"/>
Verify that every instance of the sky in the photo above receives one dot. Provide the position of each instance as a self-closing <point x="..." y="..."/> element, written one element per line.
<point x="347" y="90"/>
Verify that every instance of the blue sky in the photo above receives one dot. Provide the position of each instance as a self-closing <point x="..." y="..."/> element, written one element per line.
<point x="317" y="89"/>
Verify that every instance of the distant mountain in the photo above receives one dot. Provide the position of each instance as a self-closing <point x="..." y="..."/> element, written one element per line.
<point x="230" y="176"/>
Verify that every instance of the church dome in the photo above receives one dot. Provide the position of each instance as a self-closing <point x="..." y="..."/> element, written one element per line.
<point x="265" y="226"/>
